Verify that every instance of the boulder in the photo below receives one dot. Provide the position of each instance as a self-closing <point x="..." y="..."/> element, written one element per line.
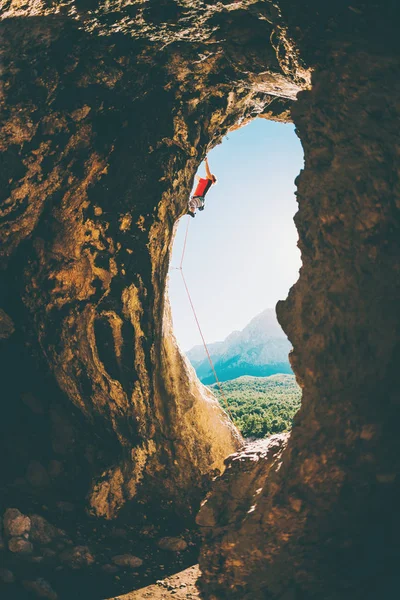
<point x="127" y="560"/>
<point x="19" y="545"/>
<point x="42" y="532"/>
<point x="15" y="523"/>
<point x="77" y="557"/>
<point x="174" y="544"/>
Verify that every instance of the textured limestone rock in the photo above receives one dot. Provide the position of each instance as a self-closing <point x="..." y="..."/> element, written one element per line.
<point x="173" y="544"/>
<point x="107" y="109"/>
<point x="42" y="532"/>
<point x="15" y="523"/>
<point x="106" y="116"/>
<point x="237" y="492"/>
<point x="317" y="519"/>
<point x="19" y="545"/>
<point x="127" y="560"/>
<point x="77" y="557"/>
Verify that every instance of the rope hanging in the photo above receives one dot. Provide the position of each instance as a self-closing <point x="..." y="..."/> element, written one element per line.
<point x="180" y="268"/>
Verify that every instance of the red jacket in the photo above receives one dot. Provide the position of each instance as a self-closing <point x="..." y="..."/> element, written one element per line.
<point x="202" y="187"/>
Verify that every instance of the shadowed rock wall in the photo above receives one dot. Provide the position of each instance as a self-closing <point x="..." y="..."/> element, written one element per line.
<point x="314" y="516"/>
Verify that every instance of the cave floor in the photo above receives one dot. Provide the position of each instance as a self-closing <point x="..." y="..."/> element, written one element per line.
<point x="163" y="575"/>
<point x="180" y="586"/>
<point x="102" y="577"/>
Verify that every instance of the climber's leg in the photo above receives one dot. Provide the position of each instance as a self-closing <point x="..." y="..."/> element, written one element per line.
<point x="192" y="205"/>
<point x="194" y="202"/>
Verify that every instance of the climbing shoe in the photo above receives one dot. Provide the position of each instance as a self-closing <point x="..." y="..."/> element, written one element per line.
<point x="189" y="212"/>
<point x="201" y="207"/>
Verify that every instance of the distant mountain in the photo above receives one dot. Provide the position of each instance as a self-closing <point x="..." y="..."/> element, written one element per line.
<point x="260" y="349"/>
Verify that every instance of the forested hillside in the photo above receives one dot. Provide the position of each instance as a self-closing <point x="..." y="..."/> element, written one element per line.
<point x="261" y="406"/>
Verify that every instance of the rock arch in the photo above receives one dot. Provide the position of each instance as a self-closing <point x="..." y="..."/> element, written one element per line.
<point x="107" y="113"/>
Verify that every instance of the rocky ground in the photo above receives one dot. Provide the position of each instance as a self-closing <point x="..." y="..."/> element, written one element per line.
<point x="181" y="586"/>
<point x="40" y="560"/>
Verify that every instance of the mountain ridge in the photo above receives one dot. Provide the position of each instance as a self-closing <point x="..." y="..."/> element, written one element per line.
<point x="260" y="349"/>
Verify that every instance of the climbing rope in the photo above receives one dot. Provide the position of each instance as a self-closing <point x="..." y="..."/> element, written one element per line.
<point x="180" y="268"/>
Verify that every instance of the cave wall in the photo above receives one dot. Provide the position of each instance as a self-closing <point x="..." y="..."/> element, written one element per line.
<point x="313" y="515"/>
<point x="107" y="110"/>
<point x="103" y="127"/>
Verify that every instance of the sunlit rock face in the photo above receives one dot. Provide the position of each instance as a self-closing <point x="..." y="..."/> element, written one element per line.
<point x="315" y="516"/>
<point x="108" y="108"/>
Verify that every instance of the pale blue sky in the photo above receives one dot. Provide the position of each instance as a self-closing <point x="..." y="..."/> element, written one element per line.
<point x="241" y="255"/>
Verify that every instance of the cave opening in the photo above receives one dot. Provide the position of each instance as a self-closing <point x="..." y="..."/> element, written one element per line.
<point x="240" y="258"/>
<point x="107" y="114"/>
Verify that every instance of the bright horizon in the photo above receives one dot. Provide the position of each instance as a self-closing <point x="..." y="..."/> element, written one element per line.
<point x="241" y="255"/>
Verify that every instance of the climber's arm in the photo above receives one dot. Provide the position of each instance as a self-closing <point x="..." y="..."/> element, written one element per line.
<point x="208" y="172"/>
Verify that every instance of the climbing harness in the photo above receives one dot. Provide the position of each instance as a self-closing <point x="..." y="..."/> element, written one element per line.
<point x="180" y="268"/>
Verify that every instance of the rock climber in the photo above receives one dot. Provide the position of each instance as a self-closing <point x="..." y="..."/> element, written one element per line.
<point x="204" y="184"/>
